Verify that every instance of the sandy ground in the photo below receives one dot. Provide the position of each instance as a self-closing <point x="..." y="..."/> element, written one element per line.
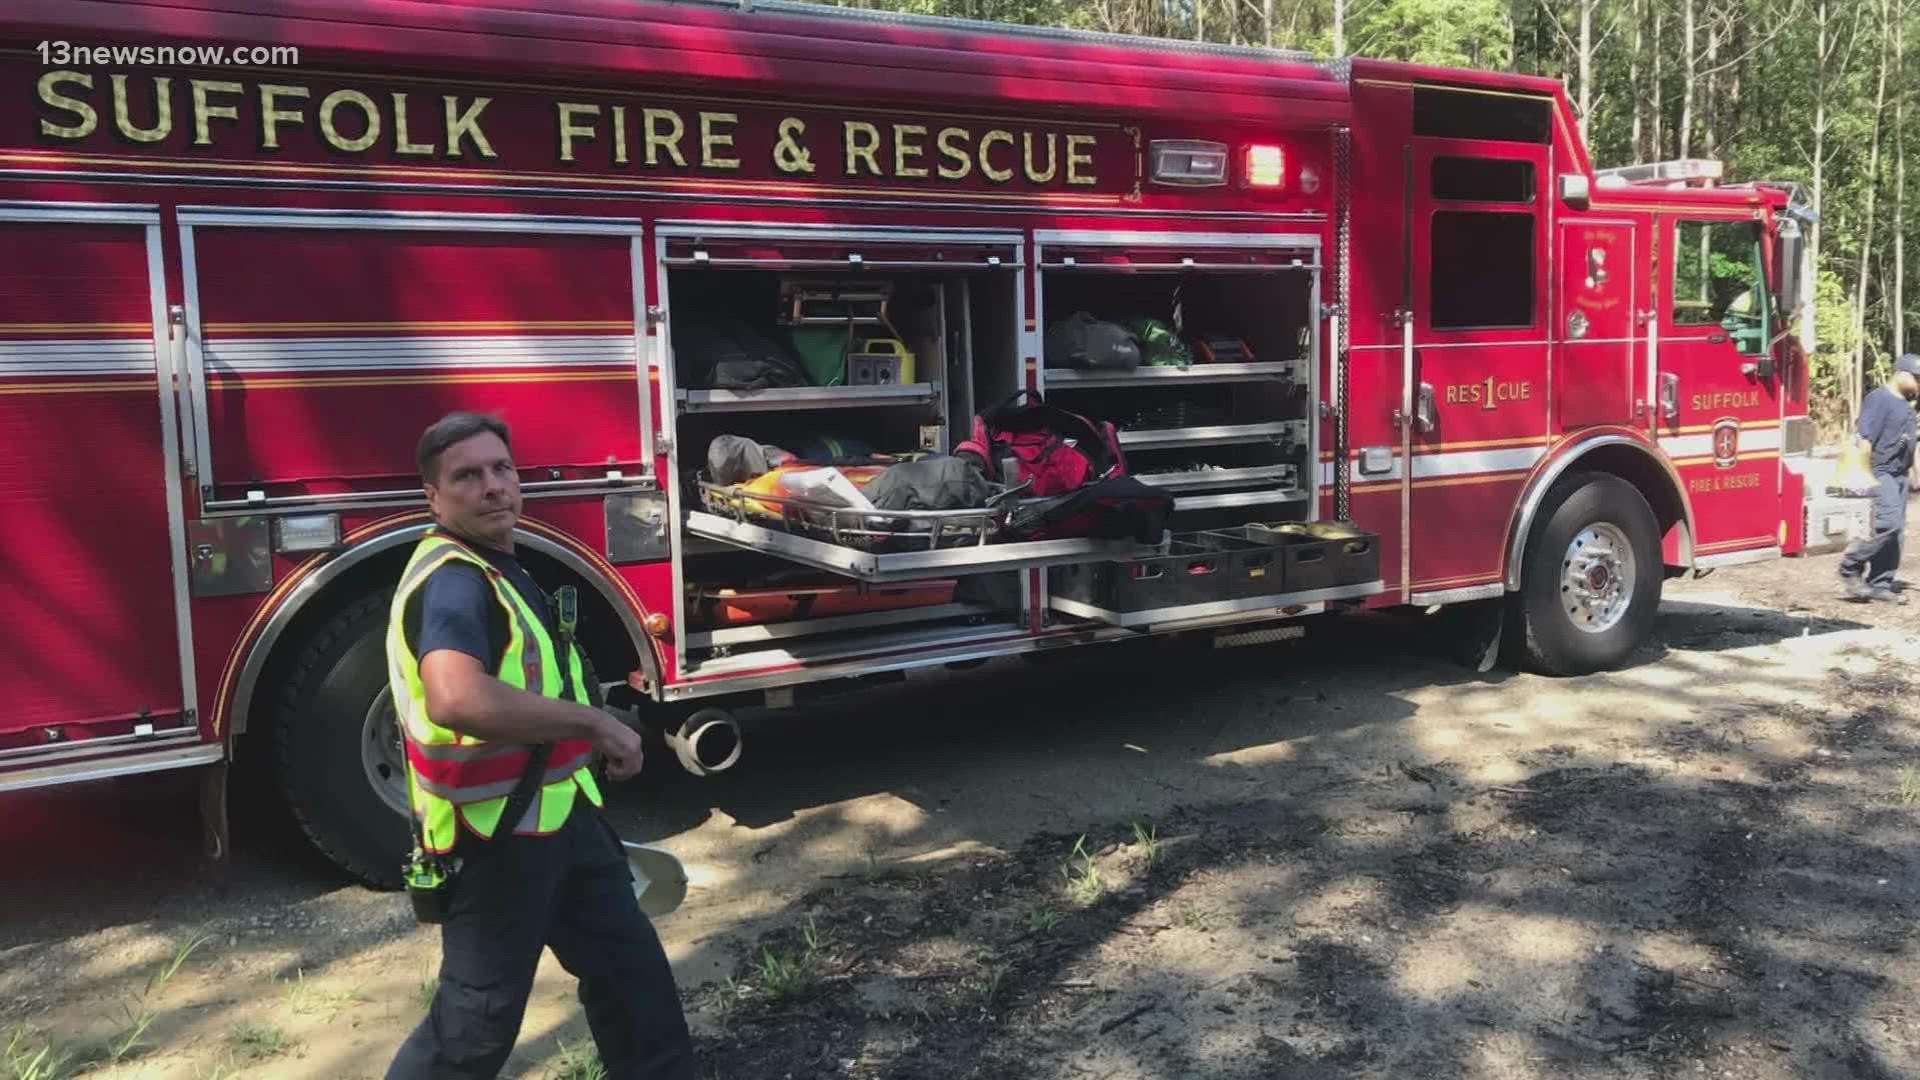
<point x="1343" y="857"/>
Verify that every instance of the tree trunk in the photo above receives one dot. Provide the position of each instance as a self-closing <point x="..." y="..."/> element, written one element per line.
<point x="1690" y="58"/>
<point x="1900" y="185"/>
<point x="1634" y="89"/>
<point x="1866" y="237"/>
<point x="1199" y="20"/>
<point x="1586" y="66"/>
<point x="1822" y="18"/>
<point x="1266" y="23"/>
<point x="1710" y="114"/>
<point x="1339" y="28"/>
<point x="1657" y="96"/>
<point x="1737" y="107"/>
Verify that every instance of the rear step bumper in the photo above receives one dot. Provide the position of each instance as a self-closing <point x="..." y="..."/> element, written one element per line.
<point x="1245" y="609"/>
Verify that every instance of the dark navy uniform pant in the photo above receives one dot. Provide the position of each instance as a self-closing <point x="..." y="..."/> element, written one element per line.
<point x="1878" y="556"/>
<point x="572" y="891"/>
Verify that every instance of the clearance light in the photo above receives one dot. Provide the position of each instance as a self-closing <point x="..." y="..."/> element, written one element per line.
<point x="1266" y="167"/>
<point x="657" y="625"/>
<point x="307" y="532"/>
<point x="1189" y="162"/>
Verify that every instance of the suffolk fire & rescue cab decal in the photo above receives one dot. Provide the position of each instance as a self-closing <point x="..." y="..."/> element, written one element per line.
<point x="1726" y="454"/>
<point x="549" y="135"/>
<point x="1726" y="442"/>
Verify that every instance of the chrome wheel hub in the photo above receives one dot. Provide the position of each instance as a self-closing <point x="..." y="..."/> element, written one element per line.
<point x="381" y="753"/>
<point x="1596" y="578"/>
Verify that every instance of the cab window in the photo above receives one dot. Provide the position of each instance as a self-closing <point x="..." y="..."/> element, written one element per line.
<point x="1718" y="281"/>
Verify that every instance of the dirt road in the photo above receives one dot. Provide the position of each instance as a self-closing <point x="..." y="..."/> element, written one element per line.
<point x="1339" y="858"/>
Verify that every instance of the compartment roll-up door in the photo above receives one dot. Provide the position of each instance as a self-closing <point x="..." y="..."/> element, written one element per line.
<point x="324" y="352"/>
<point x="88" y="585"/>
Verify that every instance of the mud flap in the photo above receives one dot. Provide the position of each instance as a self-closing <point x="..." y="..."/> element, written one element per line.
<point x="215" y="837"/>
<point x="1471" y="633"/>
<point x="1489" y="641"/>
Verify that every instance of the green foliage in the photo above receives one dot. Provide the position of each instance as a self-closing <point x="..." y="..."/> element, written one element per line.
<point x="1833" y="334"/>
<point x="1450" y="33"/>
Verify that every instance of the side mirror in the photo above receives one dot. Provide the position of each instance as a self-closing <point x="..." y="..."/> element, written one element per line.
<point x="1790" y="273"/>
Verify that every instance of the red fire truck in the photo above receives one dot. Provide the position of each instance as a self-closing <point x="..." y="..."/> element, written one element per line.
<point x="1408" y="348"/>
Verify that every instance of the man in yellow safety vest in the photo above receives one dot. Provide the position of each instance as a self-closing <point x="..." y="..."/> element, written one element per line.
<point x="512" y="855"/>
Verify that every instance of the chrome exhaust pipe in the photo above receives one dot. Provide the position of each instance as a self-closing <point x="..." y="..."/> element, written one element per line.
<point x="707" y="742"/>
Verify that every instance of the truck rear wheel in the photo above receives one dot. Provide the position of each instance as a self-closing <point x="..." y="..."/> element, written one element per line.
<point x="1591" y="579"/>
<point x="337" y="746"/>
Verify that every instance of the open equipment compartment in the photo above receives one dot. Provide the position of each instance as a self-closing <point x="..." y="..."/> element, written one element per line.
<point x="767" y="580"/>
<point x="1223" y="420"/>
<point x="1229" y="432"/>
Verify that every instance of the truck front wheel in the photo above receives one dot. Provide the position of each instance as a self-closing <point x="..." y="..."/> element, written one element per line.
<point x="337" y="746"/>
<point x="1591" y="580"/>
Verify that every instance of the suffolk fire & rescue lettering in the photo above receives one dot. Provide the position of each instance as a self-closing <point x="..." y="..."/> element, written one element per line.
<point x="200" y="114"/>
<point x="1701" y="485"/>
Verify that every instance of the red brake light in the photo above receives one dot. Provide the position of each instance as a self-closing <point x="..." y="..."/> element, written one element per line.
<point x="1264" y="167"/>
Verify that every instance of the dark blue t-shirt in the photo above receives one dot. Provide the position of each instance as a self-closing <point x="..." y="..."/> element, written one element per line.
<point x="456" y="609"/>
<point x="1887" y="421"/>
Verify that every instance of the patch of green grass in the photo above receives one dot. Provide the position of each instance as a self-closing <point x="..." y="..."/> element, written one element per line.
<point x="1081" y="873"/>
<point x="27" y="1058"/>
<point x="1147" y="838"/>
<point x="259" y="1040"/>
<point x="1042" y="920"/>
<point x="784" y="975"/>
<point x="310" y="999"/>
<point x="423" y="994"/>
<point x="224" y="1069"/>
<point x="1910" y="785"/>
<point x="1197" y="918"/>
<point x="142" y="1011"/>
<point x="729" y="994"/>
<point x="577" y="1063"/>
<point x="990" y="986"/>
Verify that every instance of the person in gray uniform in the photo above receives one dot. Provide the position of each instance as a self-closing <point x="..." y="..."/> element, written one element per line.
<point x="1886" y="428"/>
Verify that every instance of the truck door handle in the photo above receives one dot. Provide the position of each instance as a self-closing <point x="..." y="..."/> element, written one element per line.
<point x="1670" y="398"/>
<point x="1717" y="339"/>
<point x="1426" y="409"/>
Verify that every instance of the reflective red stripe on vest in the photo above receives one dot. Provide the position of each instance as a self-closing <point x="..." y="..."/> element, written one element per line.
<point x="476" y="772"/>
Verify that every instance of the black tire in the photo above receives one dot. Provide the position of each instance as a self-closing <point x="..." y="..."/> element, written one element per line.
<point x="317" y="753"/>
<point x="1561" y="635"/>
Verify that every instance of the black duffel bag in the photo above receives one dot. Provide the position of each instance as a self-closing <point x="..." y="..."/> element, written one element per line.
<point x="720" y="353"/>
<point x="1082" y="341"/>
<point x="935" y="483"/>
<point x="1117" y="508"/>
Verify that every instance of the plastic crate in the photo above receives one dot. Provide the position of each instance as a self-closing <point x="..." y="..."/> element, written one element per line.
<point x="1254" y="565"/>
<point x="1188" y="574"/>
<point x="1311" y="563"/>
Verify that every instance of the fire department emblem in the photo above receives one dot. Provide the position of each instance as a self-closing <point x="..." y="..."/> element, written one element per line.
<point x="1726" y="442"/>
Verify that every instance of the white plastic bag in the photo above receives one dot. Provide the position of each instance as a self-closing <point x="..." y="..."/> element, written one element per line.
<point x="828" y="486"/>
<point x="1854" y="477"/>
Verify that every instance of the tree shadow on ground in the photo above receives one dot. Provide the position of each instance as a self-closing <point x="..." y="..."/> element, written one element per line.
<point x="1738" y="910"/>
